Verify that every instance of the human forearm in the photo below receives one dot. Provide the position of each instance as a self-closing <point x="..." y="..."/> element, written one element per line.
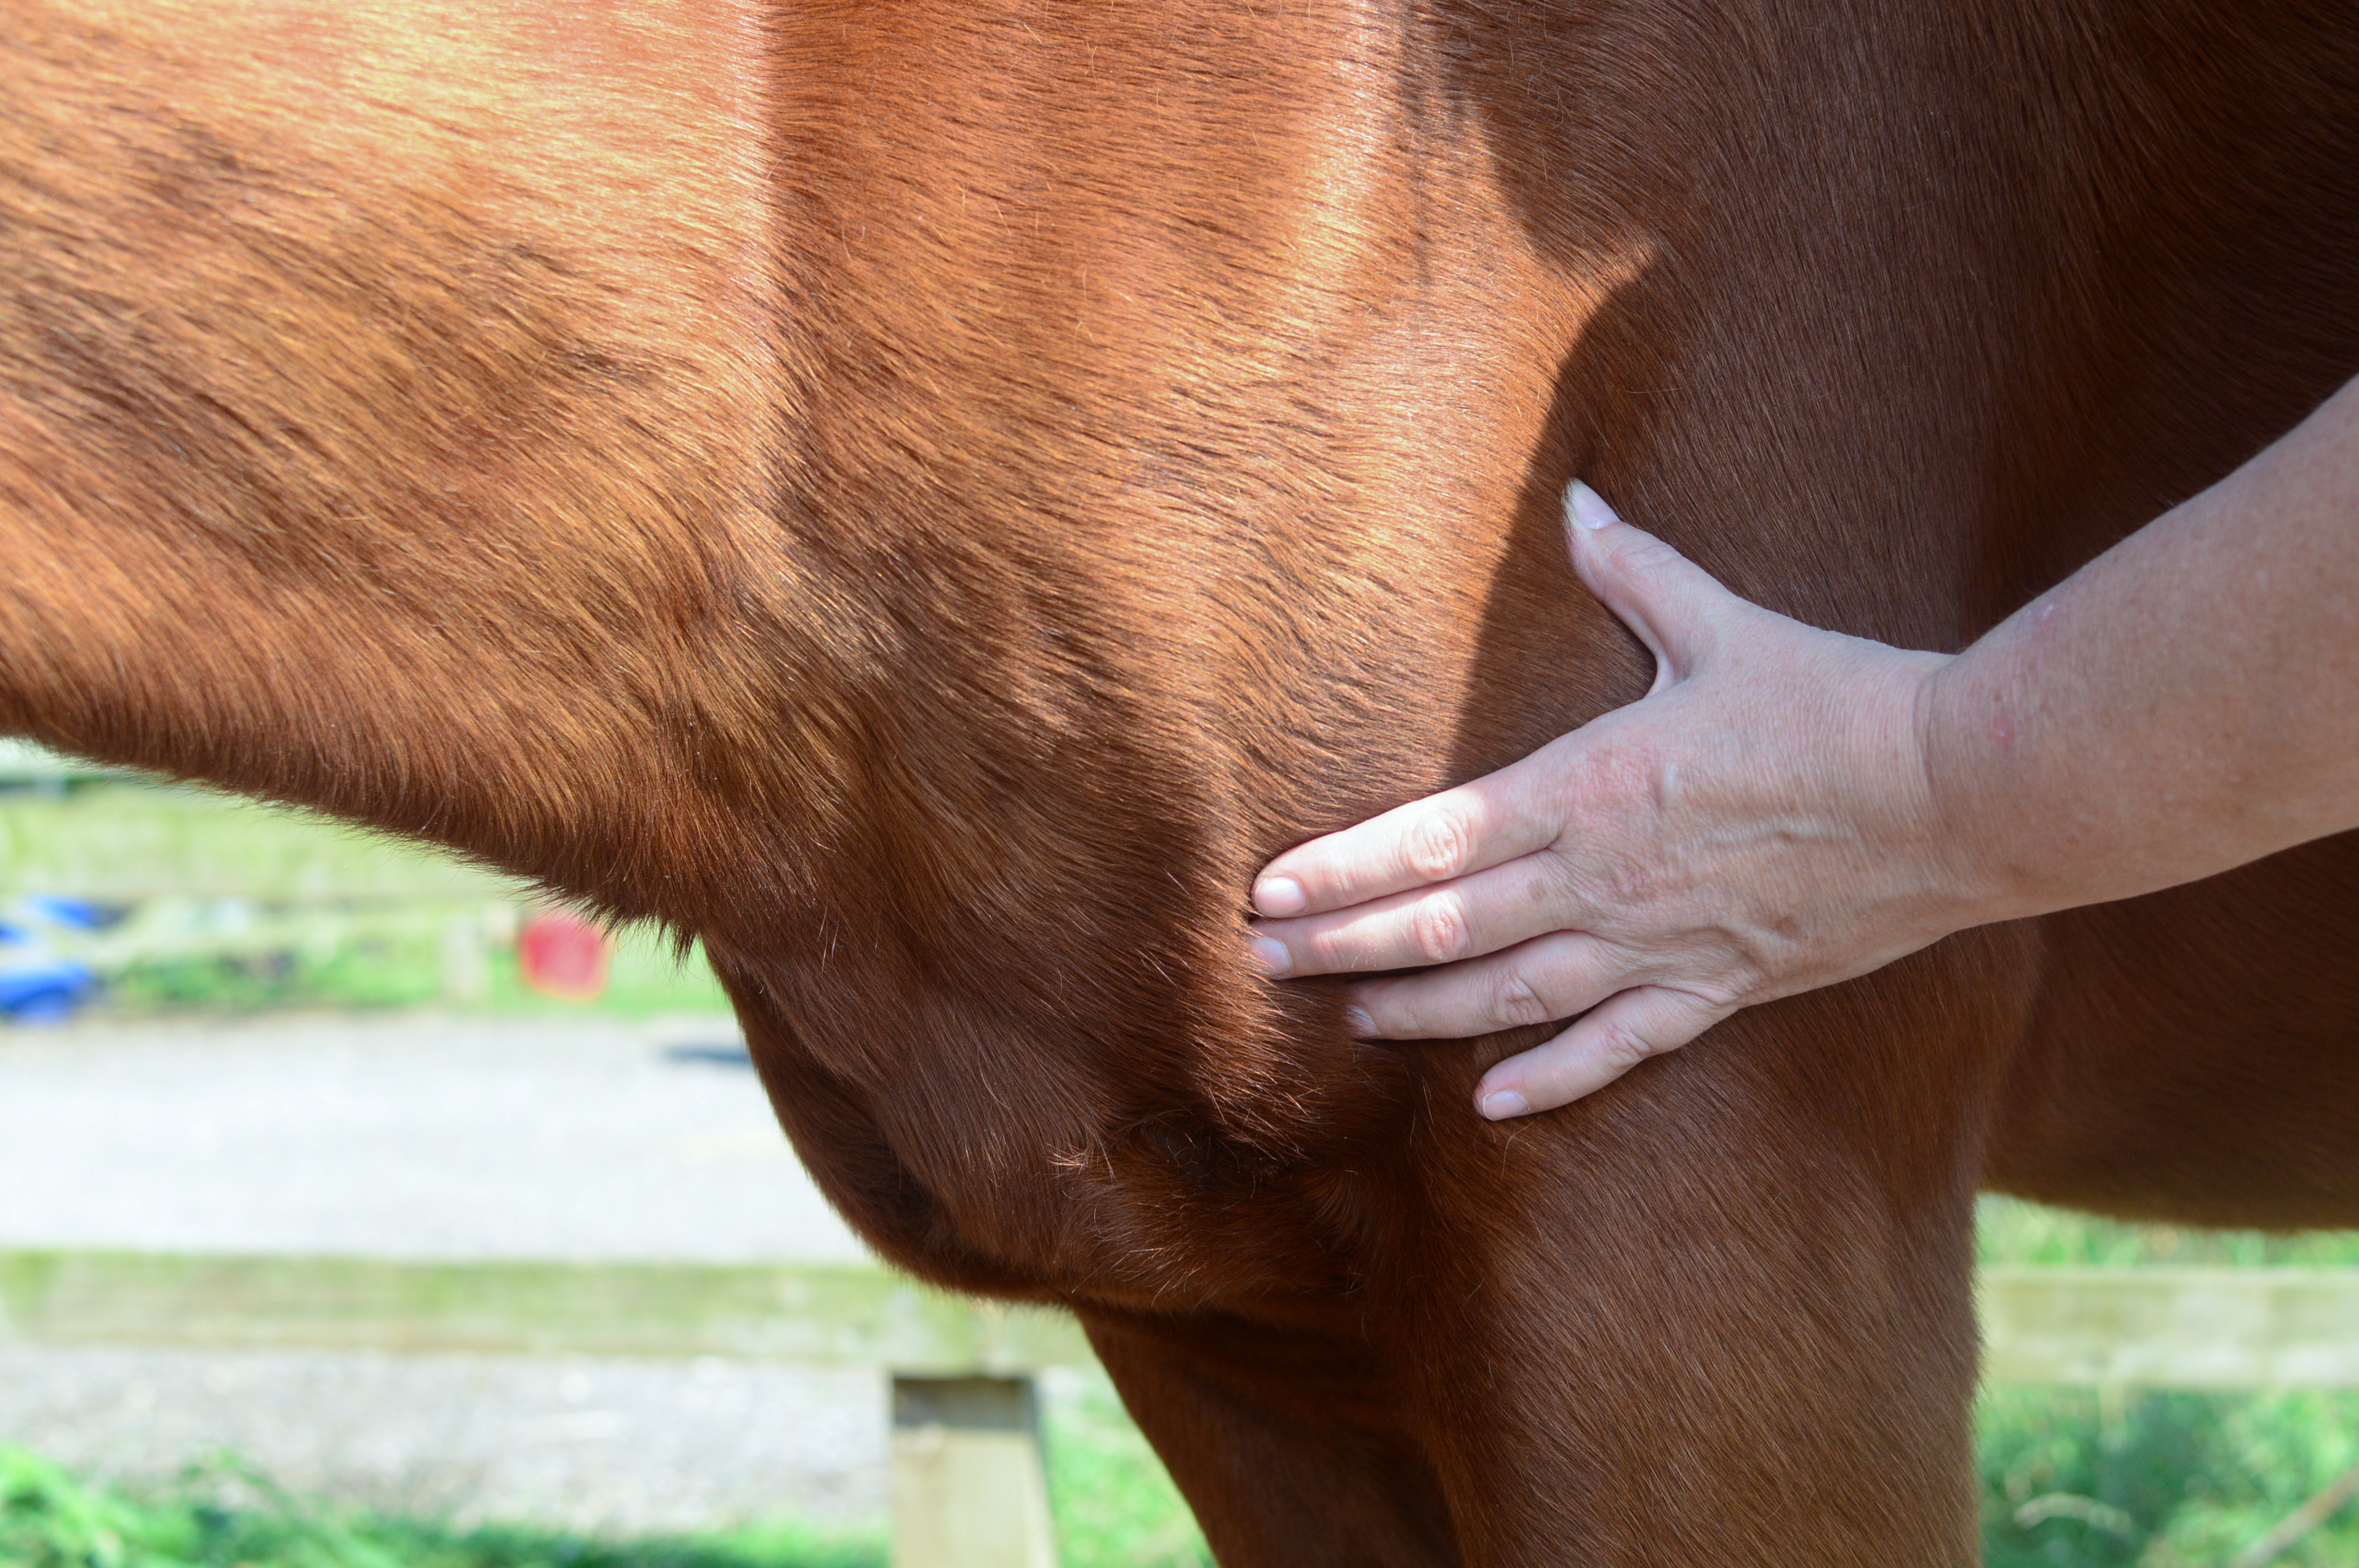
<point x="2185" y="703"/>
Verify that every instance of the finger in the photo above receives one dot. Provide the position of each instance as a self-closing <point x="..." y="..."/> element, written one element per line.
<point x="1674" y="605"/>
<point x="1528" y="897"/>
<point x="1548" y="977"/>
<point x="1476" y="826"/>
<point x="1612" y="1038"/>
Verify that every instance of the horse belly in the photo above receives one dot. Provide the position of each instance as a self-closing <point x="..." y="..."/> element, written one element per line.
<point x="2194" y="1054"/>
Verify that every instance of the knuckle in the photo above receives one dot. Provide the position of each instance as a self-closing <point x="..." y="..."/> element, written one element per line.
<point x="1718" y="995"/>
<point x="1741" y="986"/>
<point x="1406" y="1017"/>
<point x="1441" y="843"/>
<point x="1633" y="884"/>
<point x="1439" y="926"/>
<point x="1622" y="1048"/>
<point x="1734" y="973"/>
<point x="1558" y="876"/>
<point x="1324" y="952"/>
<point x="1514" y="1002"/>
<point x="1648" y="554"/>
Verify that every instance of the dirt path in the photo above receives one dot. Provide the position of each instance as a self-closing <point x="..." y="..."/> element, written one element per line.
<point x="421" y="1137"/>
<point x="411" y="1136"/>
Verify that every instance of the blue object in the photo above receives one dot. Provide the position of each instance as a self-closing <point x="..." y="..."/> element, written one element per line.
<point x="49" y="909"/>
<point x="36" y="984"/>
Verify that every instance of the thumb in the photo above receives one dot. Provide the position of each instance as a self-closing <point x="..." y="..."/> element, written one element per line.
<point x="1674" y="605"/>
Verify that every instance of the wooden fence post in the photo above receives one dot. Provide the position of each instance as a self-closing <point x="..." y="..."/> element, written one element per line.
<point x="970" y="1487"/>
<point x="466" y="965"/>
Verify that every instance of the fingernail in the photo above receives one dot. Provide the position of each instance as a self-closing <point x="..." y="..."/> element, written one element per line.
<point x="1273" y="957"/>
<point x="1279" y="896"/>
<point x="1588" y="508"/>
<point x="1359" y="1023"/>
<point x="1501" y="1104"/>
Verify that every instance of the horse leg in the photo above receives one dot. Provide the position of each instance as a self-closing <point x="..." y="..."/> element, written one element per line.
<point x="1289" y="1444"/>
<point x="1721" y="1311"/>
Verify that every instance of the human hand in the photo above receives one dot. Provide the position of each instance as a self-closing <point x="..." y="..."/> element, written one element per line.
<point x="1759" y="824"/>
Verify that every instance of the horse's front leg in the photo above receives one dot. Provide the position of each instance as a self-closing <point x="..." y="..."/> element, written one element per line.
<point x="1719" y="1312"/>
<point x="1291" y="1445"/>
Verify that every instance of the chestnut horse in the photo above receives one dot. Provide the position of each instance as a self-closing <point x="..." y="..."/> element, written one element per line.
<point x="926" y="497"/>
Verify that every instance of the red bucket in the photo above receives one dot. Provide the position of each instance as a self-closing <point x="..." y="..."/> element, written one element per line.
<point x="562" y="955"/>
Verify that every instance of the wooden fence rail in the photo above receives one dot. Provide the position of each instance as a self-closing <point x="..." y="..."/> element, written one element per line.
<point x="2160" y="1328"/>
<point x="813" y="1314"/>
<point x="2171" y="1328"/>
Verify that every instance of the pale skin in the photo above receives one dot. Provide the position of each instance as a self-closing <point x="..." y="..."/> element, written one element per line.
<point x="1789" y="807"/>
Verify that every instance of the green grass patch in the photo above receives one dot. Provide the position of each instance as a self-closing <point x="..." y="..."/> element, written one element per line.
<point x="226" y="1515"/>
<point x="2070" y="1479"/>
<point x="644" y="979"/>
<point x="115" y="843"/>
<point x="2008" y="1230"/>
<point x="364" y="977"/>
<point x="1114" y="1504"/>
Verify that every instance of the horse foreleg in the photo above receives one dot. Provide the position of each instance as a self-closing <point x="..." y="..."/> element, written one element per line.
<point x="1290" y="1444"/>
<point x="1719" y="1312"/>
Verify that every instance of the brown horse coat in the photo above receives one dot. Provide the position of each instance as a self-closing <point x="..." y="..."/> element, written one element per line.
<point x="927" y="497"/>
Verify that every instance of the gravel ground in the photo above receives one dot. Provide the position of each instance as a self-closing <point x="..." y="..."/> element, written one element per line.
<point x="620" y="1446"/>
<point x="423" y="1137"/>
<point x="406" y="1137"/>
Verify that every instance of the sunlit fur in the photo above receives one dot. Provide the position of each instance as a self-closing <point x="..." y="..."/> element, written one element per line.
<point x="926" y="496"/>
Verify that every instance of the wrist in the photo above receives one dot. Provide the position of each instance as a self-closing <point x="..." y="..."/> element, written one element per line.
<point x="1976" y="818"/>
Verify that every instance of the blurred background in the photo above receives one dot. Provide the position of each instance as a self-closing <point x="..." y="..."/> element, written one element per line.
<point x="237" y="1032"/>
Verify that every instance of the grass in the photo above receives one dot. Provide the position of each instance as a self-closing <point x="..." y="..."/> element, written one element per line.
<point x="2070" y="1479"/>
<point x="644" y="979"/>
<point x="224" y="1515"/>
<point x="1114" y="1504"/>
<point x="118" y="842"/>
<point x="2008" y="1230"/>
